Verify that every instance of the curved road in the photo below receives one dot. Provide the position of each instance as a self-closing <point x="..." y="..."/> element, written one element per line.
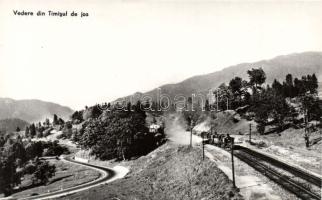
<point x="107" y="175"/>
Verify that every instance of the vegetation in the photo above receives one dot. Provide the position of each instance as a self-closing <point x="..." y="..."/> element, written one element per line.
<point x="18" y="158"/>
<point x="170" y="172"/>
<point x="118" y="134"/>
<point x="54" y="149"/>
<point x="43" y="172"/>
<point x="66" y="175"/>
<point x="271" y="104"/>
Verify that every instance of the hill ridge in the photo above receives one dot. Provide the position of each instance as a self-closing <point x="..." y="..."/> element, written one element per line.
<point x="32" y="110"/>
<point x="297" y="64"/>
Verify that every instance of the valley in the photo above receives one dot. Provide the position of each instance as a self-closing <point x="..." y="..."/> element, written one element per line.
<point x="149" y="148"/>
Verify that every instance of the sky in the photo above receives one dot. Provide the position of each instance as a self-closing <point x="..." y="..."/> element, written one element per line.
<point x="125" y="46"/>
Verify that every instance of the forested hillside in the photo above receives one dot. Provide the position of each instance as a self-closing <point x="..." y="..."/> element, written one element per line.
<point x="298" y="64"/>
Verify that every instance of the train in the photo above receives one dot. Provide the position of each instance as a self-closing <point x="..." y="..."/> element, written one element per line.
<point x="219" y="140"/>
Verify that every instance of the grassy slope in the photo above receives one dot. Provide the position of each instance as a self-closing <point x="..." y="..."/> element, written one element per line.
<point x="225" y="123"/>
<point x="67" y="175"/>
<point x="170" y="172"/>
<point x="292" y="147"/>
<point x="288" y="144"/>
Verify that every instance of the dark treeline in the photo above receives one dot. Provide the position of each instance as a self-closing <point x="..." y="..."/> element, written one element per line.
<point x="278" y="104"/>
<point x="297" y="87"/>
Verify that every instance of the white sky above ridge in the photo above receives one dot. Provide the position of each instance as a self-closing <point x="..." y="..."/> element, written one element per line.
<point x="129" y="46"/>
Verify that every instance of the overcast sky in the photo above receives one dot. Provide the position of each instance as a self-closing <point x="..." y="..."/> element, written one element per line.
<point x="128" y="46"/>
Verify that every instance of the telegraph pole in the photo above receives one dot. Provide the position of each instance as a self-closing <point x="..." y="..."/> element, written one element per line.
<point x="203" y="149"/>
<point x="227" y="103"/>
<point x="191" y="124"/>
<point x="203" y="136"/>
<point x="232" y="161"/>
<point x="217" y="99"/>
<point x="250" y="133"/>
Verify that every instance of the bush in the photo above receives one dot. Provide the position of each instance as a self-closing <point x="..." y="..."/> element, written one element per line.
<point x="54" y="149"/>
<point x="44" y="171"/>
<point x="260" y="128"/>
<point x="30" y="168"/>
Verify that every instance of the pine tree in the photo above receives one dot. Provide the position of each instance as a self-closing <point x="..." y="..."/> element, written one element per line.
<point x="277" y="87"/>
<point x="207" y="106"/>
<point x="27" y="134"/>
<point x="256" y="77"/>
<point x="313" y="85"/>
<point x="55" y="120"/>
<point x="32" y="130"/>
<point x="18" y="129"/>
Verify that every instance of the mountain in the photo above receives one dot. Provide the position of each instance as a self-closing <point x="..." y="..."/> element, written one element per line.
<point x="9" y="125"/>
<point x="297" y="64"/>
<point x="32" y="110"/>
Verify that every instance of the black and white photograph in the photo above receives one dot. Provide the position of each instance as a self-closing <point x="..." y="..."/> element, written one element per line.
<point x="161" y="99"/>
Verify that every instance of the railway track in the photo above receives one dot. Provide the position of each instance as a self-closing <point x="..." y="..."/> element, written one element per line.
<point x="267" y="166"/>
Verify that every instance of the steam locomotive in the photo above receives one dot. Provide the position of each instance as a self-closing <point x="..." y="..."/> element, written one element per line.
<point x="220" y="140"/>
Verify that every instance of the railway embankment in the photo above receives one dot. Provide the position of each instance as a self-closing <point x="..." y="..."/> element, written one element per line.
<point x="251" y="183"/>
<point x="170" y="172"/>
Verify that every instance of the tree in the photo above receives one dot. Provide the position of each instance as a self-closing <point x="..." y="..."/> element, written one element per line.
<point x="311" y="107"/>
<point x="118" y="134"/>
<point x="277" y="87"/>
<point x="129" y="107"/>
<point x="54" y="149"/>
<point x="289" y="80"/>
<point x="312" y="84"/>
<point x="288" y="86"/>
<point x="12" y="156"/>
<point x="238" y="88"/>
<point x="8" y="175"/>
<point x="270" y="104"/>
<point x="27" y="133"/>
<point x="55" y="120"/>
<point x="77" y="116"/>
<point x="2" y="141"/>
<point x="256" y="77"/>
<point x="236" y="85"/>
<point x="224" y="96"/>
<point x="34" y="149"/>
<point x="43" y="172"/>
<point x="47" y="122"/>
<point x="92" y="112"/>
<point x="61" y="121"/>
<point x="207" y="106"/>
<point x="260" y="128"/>
<point x="32" y="130"/>
<point x="279" y="111"/>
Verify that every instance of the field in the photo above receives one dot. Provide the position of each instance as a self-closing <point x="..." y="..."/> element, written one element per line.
<point x="67" y="175"/>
